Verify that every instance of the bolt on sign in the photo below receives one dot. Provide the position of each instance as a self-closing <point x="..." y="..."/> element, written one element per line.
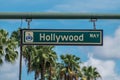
<point x="61" y="37"/>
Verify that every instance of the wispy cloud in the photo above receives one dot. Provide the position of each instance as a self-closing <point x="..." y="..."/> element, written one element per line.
<point x="110" y="48"/>
<point x="88" y="6"/>
<point x="10" y="71"/>
<point x="26" y="5"/>
<point x="105" y="68"/>
<point x="62" y="6"/>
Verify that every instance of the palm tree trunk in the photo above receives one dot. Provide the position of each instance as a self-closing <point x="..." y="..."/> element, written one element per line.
<point x="88" y="78"/>
<point x="42" y="70"/>
<point x="29" y="63"/>
<point x="65" y="76"/>
<point x="71" y="77"/>
<point x="35" y="77"/>
<point x="50" y="78"/>
<point x="75" y="78"/>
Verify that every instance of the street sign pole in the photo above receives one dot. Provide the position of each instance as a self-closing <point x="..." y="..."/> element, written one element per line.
<point x="56" y="15"/>
<point x="20" y="65"/>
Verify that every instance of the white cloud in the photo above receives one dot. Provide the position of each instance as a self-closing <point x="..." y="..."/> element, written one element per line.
<point x="10" y="71"/>
<point x="105" y="68"/>
<point x="87" y="5"/>
<point x="110" y="48"/>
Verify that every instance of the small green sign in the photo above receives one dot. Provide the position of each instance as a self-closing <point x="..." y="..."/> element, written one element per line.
<point x="62" y="37"/>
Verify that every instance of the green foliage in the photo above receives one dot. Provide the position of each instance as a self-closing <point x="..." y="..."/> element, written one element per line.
<point x="71" y="66"/>
<point x="16" y="36"/>
<point x="39" y="58"/>
<point x="90" y="72"/>
<point x="7" y="47"/>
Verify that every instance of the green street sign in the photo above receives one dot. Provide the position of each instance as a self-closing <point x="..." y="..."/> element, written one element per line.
<point x="61" y="37"/>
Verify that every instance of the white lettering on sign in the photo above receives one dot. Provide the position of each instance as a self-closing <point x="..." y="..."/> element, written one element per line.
<point x="58" y="38"/>
<point x="94" y="35"/>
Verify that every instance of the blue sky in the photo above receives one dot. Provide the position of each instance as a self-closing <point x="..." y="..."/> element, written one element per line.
<point x="106" y="58"/>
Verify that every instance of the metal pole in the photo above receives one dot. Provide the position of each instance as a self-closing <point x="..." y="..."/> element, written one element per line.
<point x="20" y="65"/>
<point x="28" y="21"/>
<point x="41" y="15"/>
<point x="94" y="25"/>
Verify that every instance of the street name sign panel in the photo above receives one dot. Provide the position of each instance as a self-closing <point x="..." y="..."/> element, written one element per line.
<point x="61" y="37"/>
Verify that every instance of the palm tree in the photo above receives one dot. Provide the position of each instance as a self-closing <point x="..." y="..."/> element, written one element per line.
<point x="34" y="65"/>
<point x="16" y="36"/>
<point x="40" y="59"/>
<point x="71" y="67"/>
<point x="91" y="73"/>
<point x="58" y="73"/>
<point x="46" y="56"/>
<point x="52" y="57"/>
<point x="7" y="47"/>
<point x="28" y="53"/>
